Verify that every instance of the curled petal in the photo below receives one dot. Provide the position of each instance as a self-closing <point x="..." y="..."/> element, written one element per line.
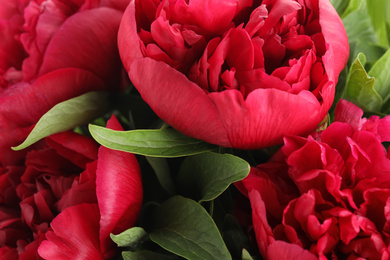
<point x="334" y="33"/>
<point x="118" y="189"/>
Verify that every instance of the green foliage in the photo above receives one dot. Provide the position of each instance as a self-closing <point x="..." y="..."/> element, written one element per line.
<point x="360" y="87"/>
<point x="205" y="176"/>
<point x="380" y="71"/>
<point x="67" y="115"/>
<point x="156" y="143"/>
<point x="145" y="255"/>
<point x="184" y="227"/>
<point x="130" y="237"/>
<point x="161" y="168"/>
<point x="379" y="12"/>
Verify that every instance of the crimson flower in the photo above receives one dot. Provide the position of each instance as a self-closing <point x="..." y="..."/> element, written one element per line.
<point x="51" y="51"/>
<point x="68" y="184"/>
<point x="327" y="195"/>
<point x="235" y="73"/>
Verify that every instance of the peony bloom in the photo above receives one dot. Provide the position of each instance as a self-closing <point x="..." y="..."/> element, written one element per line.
<point x="235" y="73"/>
<point x="66" y="178"/>
<point x="326" y="196"/>
<point x="51" y="51"/>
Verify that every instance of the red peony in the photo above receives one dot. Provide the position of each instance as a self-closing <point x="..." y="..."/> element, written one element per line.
<point x="51" y="51"/>
<point x="235" y="73"/>
<point x="65" y="179"/>
<point x="325" y="196"/>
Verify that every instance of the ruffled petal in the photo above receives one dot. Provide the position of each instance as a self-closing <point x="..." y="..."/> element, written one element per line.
<point x="75" y="235"/>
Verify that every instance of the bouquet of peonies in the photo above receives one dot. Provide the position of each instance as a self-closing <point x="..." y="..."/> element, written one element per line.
<point x="188" y="129"/>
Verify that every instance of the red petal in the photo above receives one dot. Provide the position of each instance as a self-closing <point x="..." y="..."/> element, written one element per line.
<point x="181" y="103"/>
<point x="75" y="235"/>
<point x="264" y="235"/>
<point x="286" y="251"/>
<point x="334" y="33"/>
<point x="118" y="189"/>
<point x="265" y="116"/>
<point x="79" y="149"/>
<point x="129" y="44"/>
<point x="91" y="47"/>
<point x="348" y="112"/>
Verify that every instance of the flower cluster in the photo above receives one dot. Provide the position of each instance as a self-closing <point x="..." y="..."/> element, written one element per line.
<point x="46" y="57"/>
<point x="63" y="194"/>
<point x="199" y="129"/>
<point x="221" y="71"/>
<point x="326" y="195"/>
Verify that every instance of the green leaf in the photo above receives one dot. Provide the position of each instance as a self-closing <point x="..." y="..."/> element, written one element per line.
<point x="379" y="14"/>
<point x="205" y="176"/>
<point x="234" y="236"/>
<point x="360" y="87"/>
<point x="361" y="36"/>
<point x="246" y="255"/>
<point x="145" y="255"/>
<point x="161" y="168"/>
<point x="156" y="143"/>
<point x="340" y="5"/>
<point x="380" y="71"/>
<point x="183" y="227"/>
<point x="67" y="115"/>
<point x="130" y="237"/>
<point x="354" y="5"/>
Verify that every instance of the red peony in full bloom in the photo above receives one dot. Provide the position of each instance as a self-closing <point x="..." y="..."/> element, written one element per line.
<point x="51" y="51"/>
<point x="68" y="185"/>
<point x="326" y="196"/>
<point x="236" y="73"/>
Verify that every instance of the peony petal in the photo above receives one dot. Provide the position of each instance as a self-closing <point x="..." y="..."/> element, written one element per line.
<point x="83" y="189"/>
<point x="129" y="44"/>
<point x="118" y="189"/>
<point x="74" y="236"/>
<point x="279" y="9"/>
<point x="91" y="46"/>
<point x="347" y="112"/>
<point x="282" y="114"/>
<point x="181" y="103"/>
<point x="213" y="16"/>
<point x="274" y="190"/>
<point x="77" y="148"/>
<point x="334" y="33"/>
<point x="286" y="251"/>
<point x="264" y="235"/>
<point x="384" y="129"/>
<point x="8" y="253"/>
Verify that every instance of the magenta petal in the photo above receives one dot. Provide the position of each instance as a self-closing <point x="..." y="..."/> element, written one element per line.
<point x="129" y="44"/>
<point x="350" y="113"/>
<point x="210" y="15"/>
<point x="79" y="149"/>
<point x="263" y="231"/>
<point x="91" y="47"/>
<point x="118" y="189"/>
<point x="334" y="33"/>
<point x="182" y="103"/>
<point x="286" y="251"/>
<point x="74" y="235"/>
